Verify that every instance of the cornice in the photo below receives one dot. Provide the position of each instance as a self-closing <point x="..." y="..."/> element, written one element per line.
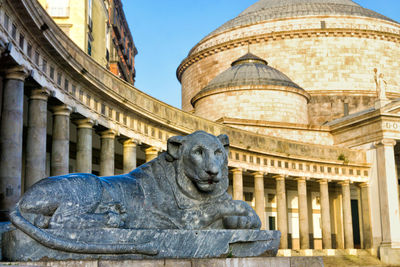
<point x="249" y="88"/>
<point x="282" y="35"/>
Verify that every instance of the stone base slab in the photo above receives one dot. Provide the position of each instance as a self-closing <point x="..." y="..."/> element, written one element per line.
<point x="389" y="255"/>
<point x="325" y="252"/>
<point x="234" y="262"/>
<point x="177" y="244"/>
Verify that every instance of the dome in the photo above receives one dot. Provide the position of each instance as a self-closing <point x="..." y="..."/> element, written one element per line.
<point x="249" y="70"/>
<point x="274" y="9"/>
<point x="252" y="90"/>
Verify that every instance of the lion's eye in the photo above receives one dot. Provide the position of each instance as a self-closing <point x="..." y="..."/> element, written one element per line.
<point x="198" y="152"/>
<point x="218" y="152"/>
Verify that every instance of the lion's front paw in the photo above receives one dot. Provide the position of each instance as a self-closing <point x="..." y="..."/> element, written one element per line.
<point x="115" y="220"/>
<point x="241" y="222"/>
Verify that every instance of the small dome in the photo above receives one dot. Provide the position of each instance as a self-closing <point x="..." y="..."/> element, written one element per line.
<point x="252" y="90"/>
<point x="274" y="9"/>
<point x="249" y="70"/>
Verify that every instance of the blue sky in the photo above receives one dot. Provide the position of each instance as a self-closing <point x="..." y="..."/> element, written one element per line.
<point x="164" y="32"/>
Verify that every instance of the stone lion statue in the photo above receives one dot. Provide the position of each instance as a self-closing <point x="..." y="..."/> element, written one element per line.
<point x="184" y="188"/>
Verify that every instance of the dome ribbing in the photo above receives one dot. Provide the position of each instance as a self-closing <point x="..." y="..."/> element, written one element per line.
<point x="274" y="9"/>
<point x="250" y="70"/>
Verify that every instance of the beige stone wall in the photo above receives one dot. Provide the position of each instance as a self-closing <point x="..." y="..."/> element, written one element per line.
<point x="267" y="105"/>
<point x="319" y="60"/>
<point x="100" y="17"/>
<point x="303" y="135"/>
<point x="76" y="26"/>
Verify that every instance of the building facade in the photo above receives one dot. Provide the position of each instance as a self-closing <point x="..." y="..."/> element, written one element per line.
<point x="325" y="186"/>
<point x="105" y="36"/>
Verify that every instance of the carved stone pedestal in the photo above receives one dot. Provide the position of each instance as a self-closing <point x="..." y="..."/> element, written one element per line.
<point x="176" y="244"/>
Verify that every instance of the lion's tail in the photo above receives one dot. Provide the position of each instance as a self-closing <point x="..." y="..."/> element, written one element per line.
<point x="57" y="243"/>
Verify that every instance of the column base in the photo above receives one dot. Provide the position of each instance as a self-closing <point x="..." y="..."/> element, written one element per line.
<point x="390" y="253"/>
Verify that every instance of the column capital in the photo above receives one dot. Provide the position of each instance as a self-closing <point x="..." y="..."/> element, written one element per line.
<point x="363" y="185"/>
<point x="344" y="182"/>
<point x="85" y="123"/>
<point x="323" y="181"/>
<point x="385" y="142"/>
<point x="62" y="110"/>
<point x="130" y="142"/>
<point x="108" y="134"/>
<point x="237" y="170"/>
<point x="40" y="94"/>
<point x="258" y="174"/>
<point x="301" y="179"/>
<point x="20" y="72"/>
<point x="152" y="149"/>
<point x="279" y="177"/>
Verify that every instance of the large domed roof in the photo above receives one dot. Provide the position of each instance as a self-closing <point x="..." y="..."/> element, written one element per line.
<point x="273" y="9"/>
<point x="249" y="70"/>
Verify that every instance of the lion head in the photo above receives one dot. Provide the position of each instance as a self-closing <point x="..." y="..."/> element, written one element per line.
<point x="202" y="163"/>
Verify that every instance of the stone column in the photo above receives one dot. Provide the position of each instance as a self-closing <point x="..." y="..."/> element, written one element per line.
<point x="11" y="127"/>
<point x="130" y="147"/>
<point x="259" y="197"/>
<point x="35" y="167"/>
<point x="60" y="143"/>
<point x="107" y="153"/>
<point x="347" y="217"/>
<point x="366" y="216"/>
<point x="84" y="146"/>
<point x="282" y="210"/>
<point x="151" y="153"/>
<point x="237" y="184"/>
<point x="303" y="213"/>
<point x="325" y="215"/>
<point x="388" y="193"/>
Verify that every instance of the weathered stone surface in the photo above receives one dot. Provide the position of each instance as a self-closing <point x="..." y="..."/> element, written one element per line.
<point x="230" y="262"/>
<point x="155" y="211"/>
<point x="167" y="243"/>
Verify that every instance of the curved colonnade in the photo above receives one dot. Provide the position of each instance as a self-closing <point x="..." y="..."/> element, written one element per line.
<point x="38" y="60"/>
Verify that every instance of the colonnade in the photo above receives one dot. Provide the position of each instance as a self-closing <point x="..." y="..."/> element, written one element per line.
<point x="11" y="140"/>
<point x="11" y="158"/>
<point x="303" y="208"/>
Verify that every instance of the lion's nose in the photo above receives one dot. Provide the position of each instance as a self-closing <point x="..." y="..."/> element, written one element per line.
<point x="212" y="173"/>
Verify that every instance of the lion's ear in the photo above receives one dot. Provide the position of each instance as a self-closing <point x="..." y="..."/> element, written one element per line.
<point x="224" y="139"/>
<point x="173" y="147"/>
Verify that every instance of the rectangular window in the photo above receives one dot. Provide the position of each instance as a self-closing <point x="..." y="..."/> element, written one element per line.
<point x="29" y="50"/>
<point x="59" y="76"/>
<point x="58" y="8"/>
<point x="117" y="116"/>
<point x="103" y="109"/>
<point x="271" y="220"/>
<point x="248" y="196"/>
<point x="44" y="66"/>
<point x="88" y="100"/>
<point x="14" y="31"/>
<point x="80" y="95"/>
<point x="37" y="58"/>
<point x="66" y="84"/>
<point x="52" y="73"/>
<point x="73" y="90"/>
<point x="6" y="21"/>
<point x="89" y="48"/>
<point x="21" y="41"/>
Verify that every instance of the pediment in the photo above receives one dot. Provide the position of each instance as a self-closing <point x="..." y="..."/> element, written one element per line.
<point x="393" y="108"/>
